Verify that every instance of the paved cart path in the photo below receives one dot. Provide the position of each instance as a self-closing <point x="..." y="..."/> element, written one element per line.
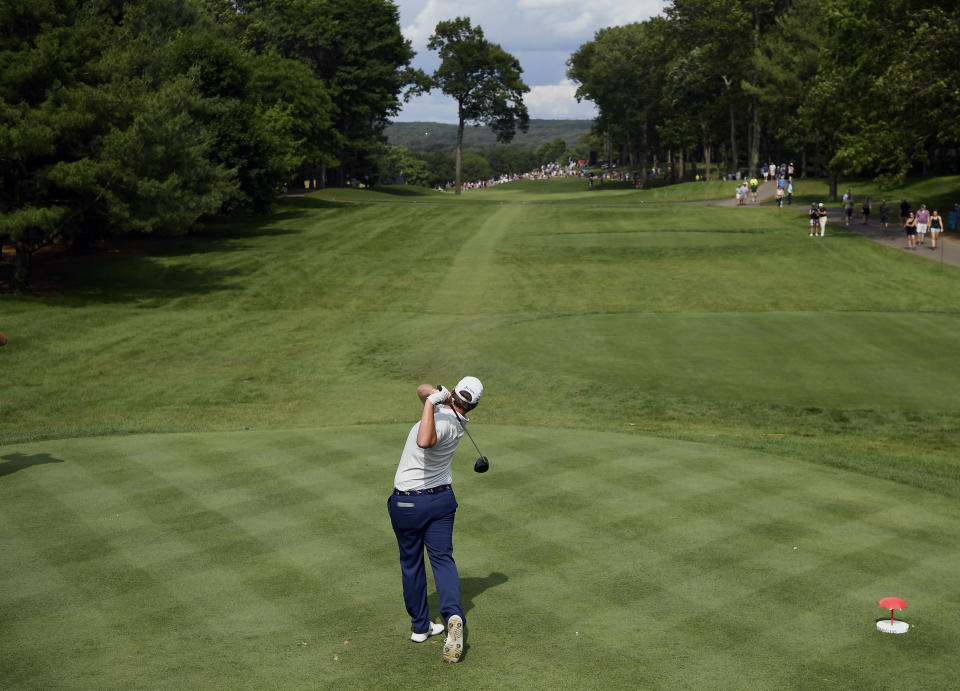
<point x="948" y="246"/>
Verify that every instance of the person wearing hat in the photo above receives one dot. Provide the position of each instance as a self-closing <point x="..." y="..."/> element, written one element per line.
<point x="422" y="509"/>
<point x="822" y="217"/>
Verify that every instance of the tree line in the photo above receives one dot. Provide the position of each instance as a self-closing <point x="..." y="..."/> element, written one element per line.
<point x="437" y="167"/>
<point x="839" y="87"/>
<point x="147" y="115"/>
<point x="143" y="116"/>
<point x="434" y="136"/>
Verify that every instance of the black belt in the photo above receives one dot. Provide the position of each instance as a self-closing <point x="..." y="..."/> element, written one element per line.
<point x="414" y="492"/>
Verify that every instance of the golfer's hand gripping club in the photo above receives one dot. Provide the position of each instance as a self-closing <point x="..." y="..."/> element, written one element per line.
<point x="440" y="396"/>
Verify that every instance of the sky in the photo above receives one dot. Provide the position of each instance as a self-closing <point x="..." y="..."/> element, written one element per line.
<point x="541" y="34"/>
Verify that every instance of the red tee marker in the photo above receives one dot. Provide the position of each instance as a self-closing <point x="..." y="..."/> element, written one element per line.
<point x="892" y="603"/>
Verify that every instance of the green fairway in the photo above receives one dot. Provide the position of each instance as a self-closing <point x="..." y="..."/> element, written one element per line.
<point x="575" y="190"/>
<point x="716" y="443"/>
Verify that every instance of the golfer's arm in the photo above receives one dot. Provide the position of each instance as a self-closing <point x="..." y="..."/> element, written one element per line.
<point x="425" y="390"/>
<point x="427" y="434"/>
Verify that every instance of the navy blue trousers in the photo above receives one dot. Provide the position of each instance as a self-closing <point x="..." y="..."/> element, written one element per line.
<point x="426" y="521"/>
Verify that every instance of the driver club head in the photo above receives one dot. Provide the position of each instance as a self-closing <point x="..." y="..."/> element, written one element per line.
<point x="482" y="465"/>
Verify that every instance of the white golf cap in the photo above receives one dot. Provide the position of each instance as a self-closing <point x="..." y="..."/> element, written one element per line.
<point x="469" y="389"/>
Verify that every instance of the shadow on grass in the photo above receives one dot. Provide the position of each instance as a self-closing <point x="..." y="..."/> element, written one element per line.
<point x="307" y="203"/>
<point x="472" y="587"/>
<point x="21" y="461"/>
<point x="136" y="268"/>
<point x="402" y="191"/>
<point x="130" y="280"/>
<point x="469" y="589"/>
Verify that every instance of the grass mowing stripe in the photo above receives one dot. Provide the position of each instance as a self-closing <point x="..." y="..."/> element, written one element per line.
<point x="843" y="360"/>
<point x="647" y="564"/>
<point x="286" y="323"/>
<point x="467" y="280"/>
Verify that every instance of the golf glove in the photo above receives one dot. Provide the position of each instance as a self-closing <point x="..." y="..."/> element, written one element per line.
<point x="440" y="396"/>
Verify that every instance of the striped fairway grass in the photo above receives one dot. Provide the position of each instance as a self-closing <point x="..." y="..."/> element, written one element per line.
<point x="716" y="443"/>
<point x="257" y="559"/>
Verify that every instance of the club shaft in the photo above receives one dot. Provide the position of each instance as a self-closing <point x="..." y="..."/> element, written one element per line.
<point x="464" y="428"/>
<point x="471" y="439"/>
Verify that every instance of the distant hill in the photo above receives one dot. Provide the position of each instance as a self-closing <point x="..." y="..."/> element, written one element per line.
<point x="433" y="136"/>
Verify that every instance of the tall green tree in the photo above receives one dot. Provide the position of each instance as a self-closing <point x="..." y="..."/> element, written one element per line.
<point x="93" y="139"/>
<point x="720" y="33"/>
<point x="398" y="163"/>
<point x="484" y="80"/>
<point x="355" y="47"/>
<point x="553" y="151"/>
<point x="893" y="67"/>
<point x="623" y="72"/>
<point x="785" y="68"/>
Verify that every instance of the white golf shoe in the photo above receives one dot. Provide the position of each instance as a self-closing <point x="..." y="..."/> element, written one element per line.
<point x="453" y="647"/>
<point x="435" y="630"/>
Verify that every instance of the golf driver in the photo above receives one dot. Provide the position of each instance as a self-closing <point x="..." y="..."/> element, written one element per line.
<point x="483" y="464"/>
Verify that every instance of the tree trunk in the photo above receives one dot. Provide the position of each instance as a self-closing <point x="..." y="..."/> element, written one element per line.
<point x="21" y="267"/>
<point x="833" y="186"/>
<point x="755" y="141"/>
<point x="706" y="149"/>
<point x="459" y="164"/>
<point x="734" y="158"/>
<point x="803" y="161"/>
<point x="680" y="165"/>
<point x="340" y="172"/>
<point x="755" y="124"/>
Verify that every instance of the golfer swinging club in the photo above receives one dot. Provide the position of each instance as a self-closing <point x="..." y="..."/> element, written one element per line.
<point x="423" y="506"/>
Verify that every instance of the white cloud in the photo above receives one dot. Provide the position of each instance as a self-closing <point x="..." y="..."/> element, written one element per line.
<point x="557" y="102"/>
<point x="541" y="33"/>
<point x="526" y="24"/>
<point x="433" y="107"/>
<point x="545" y="101"/>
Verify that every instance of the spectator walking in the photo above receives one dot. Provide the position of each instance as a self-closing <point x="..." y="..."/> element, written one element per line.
<point x="847" y="207"/>
<point x="814" y="219"/>
<point x="936" y="227"/>
<point x="910" y="228"/>
<point x="865" y="210"/>
<point x="923" y="220"/>
<point x="754" y="184"/>
<point x="904" y="211"/>
<point x="884" y="215"/>
<point x="822" y="218"/>
<point x="780" y="197"/>
<point x="790" y="191"/>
